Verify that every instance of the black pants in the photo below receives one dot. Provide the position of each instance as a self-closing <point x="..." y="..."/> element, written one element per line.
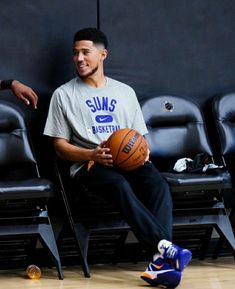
<point x="142" y="195"/>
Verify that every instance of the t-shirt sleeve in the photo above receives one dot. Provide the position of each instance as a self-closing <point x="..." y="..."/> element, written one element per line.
<point x="56" y="123"/>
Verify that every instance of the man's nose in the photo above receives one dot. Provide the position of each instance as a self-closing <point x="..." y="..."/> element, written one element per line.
<point x="79" y="57"/>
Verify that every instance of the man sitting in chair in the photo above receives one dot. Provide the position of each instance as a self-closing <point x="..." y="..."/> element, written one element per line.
<point x="142" y="194"/>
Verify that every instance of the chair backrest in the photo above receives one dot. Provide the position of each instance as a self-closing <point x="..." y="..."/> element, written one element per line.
<point x="15" y="150"/>
<point x="176" y="129"/>
<point x="223" y="108"/>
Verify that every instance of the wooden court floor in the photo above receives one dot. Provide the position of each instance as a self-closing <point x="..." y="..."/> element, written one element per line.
<point x="207" y="274"/>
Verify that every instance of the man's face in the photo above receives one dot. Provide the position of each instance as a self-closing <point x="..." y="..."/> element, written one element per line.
<point x="88" y="58"/>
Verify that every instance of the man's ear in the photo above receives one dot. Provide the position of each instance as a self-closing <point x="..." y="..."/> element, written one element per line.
<point x="104" y="54"/>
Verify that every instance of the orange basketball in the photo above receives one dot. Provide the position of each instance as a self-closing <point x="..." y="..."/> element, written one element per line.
<point x="128" y="148"/>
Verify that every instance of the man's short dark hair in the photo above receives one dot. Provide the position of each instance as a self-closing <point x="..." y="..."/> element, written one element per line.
<point x="92" y="34"/>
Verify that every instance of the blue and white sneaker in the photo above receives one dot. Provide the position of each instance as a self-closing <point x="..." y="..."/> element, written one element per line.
<point x="160" y="273"/>
<point x="177" y="256"/>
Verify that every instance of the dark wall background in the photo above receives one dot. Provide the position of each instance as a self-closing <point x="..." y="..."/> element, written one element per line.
<point x="36" y="48"/>
<point x="157" y="46"/>
<point x="172" y="47"/>
<point x="36" y="39"/>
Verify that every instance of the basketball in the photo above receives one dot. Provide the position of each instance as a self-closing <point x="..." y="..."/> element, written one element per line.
<point x="128" y="148"/>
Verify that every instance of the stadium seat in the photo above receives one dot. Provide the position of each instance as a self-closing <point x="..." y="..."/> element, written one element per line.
<point x="23" y="194"/>
<point x="223" y="108"/>
<point x="177" y="131"/>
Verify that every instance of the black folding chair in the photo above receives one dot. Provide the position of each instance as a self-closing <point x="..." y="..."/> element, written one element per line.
<point x="89" y="214"/>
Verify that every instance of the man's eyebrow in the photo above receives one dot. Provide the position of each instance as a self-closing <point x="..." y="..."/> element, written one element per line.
<point x="83" y="48"/>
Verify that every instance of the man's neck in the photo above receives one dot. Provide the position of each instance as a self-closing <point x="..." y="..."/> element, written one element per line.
<point x="97" y="82"/>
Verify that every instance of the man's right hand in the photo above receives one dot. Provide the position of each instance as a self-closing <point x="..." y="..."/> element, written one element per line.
<point x="102" y="155"/>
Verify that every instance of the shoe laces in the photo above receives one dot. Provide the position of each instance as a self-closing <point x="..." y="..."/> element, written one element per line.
<point x="171" y="252"/>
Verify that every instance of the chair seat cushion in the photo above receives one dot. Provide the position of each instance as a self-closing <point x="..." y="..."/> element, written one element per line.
<point x="35" y="188"/>
<point x="188" y="181"/>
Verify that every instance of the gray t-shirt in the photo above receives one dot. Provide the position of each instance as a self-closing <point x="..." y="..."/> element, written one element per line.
<point x="86" y="116"/>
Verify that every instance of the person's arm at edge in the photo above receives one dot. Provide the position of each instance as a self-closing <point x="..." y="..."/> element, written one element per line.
<point x="21" y="91"/>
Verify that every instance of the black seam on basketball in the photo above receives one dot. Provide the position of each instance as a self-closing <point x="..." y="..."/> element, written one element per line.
<point x="131" y="154"/>
<point x="121" y="145"/>
<point x="136" y="165"/>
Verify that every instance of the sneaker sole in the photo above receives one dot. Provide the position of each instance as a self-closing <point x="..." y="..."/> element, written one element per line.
<point x="166" y="280"/>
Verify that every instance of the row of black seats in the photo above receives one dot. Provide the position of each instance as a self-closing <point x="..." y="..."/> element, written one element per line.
<point x="176" y="130"/>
